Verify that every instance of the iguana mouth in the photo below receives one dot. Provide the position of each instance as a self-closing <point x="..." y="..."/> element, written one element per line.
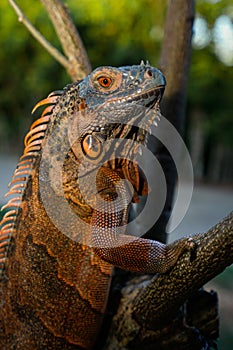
<point x="151" y="97"/>
<point x="146" y="98"/>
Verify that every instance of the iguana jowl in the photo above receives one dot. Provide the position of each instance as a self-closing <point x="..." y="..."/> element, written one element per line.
<point x="54" y="288"/>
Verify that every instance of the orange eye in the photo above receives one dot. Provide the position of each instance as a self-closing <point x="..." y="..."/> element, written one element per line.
<point x="105" y="81"/>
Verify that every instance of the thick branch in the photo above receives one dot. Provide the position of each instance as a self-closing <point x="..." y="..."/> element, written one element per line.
<point x="152" y="305"/>
<point x="79" y="65"/>
<point x="168" y="292"/>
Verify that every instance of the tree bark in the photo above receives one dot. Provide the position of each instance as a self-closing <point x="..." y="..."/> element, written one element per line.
<point x="175" y="59"/>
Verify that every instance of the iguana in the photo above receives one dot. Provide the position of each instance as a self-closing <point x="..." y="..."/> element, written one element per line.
<point x="56" y="270"/>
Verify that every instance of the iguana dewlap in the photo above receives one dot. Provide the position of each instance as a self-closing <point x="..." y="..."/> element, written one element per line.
<point x="59" y="239"/>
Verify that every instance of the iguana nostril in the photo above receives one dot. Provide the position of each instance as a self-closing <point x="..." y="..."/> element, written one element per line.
<point x="149" y="73"/>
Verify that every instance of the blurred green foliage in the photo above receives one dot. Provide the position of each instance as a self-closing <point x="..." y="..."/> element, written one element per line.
<point x="211" y="82"/>
<point x="114" y="33"/>
<point x="120" y="32"/>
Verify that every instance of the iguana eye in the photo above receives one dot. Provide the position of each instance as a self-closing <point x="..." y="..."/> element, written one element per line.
<point x="105" y="81"/>
<point x="91" y="147"/>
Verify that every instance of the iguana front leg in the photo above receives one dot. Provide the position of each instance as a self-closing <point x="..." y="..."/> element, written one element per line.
<point x="114" y="246"/>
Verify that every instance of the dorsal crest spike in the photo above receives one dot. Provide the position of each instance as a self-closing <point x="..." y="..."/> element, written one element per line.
<point x="33" y="141"/>
<point x="147" y="63"/>
<point x="142" y="63"/>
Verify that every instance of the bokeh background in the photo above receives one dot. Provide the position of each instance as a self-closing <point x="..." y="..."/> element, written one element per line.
<point x="122" y="32"/>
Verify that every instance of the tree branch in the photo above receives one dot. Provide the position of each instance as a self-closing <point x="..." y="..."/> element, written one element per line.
<point x="76" y="61"/>
<point x="79" y="65"/>
<point x="168" y="292"/>
<point x="153" y="304"/>
<point x="38" y="36"/>
<point x="175" y="59"/>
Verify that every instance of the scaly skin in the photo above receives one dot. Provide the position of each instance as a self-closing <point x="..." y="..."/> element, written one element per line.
<point x="57" y="248"/>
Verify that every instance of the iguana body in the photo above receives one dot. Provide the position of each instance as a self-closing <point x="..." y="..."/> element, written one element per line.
<point x="54" y="284"/>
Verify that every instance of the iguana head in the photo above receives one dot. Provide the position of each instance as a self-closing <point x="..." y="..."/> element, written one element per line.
<point x="108" y="86"/>
<point x="89" y="121"/>
<point x="109" y="101"/>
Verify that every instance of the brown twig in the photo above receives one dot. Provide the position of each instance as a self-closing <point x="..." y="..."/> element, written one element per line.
<point x="38" y="36"/>
<point x="79" y="65"/>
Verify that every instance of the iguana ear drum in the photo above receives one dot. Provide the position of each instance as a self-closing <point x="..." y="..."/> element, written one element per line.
<point x="91" y="146"/>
